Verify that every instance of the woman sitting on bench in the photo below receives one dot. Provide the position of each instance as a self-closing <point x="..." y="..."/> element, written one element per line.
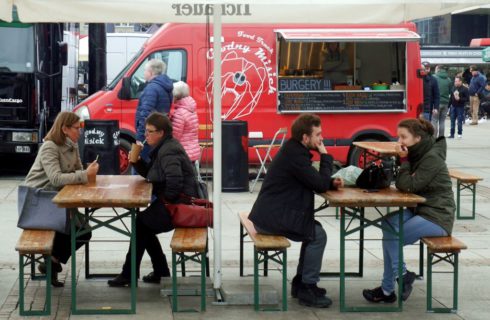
<point x="58" y="164"/>
<point x="423" y="171"/>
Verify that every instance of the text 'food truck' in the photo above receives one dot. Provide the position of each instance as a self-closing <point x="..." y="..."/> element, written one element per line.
<point x="361" y="80"/>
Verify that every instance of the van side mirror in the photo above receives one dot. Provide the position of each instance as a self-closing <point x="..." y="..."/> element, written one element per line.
<point x="125" y="92"/>
<point x="63" y="46"/>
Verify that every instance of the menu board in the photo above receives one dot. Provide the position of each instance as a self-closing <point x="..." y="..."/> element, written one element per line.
<point x="333" y="101"/>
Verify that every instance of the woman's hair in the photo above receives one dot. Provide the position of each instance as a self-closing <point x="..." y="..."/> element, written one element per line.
<point x="160" y="122"/>
<point x="417" y="127"/>
<point x="56" y="134"/>
<point x="181" y="90"/>
<point x="304" y="124"/>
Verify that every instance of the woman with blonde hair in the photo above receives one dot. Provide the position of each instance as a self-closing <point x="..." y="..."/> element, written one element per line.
<point x="58" y="164"/>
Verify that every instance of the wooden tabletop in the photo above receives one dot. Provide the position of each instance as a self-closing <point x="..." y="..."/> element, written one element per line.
<point x="383" y="147"/>
<point x="356" y="197"/>
<point x="108" y="191"/>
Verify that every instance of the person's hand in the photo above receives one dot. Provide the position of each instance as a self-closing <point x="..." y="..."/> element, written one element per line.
<point x="338" y="183"/>
<point x="401" y="150"/>
<point x="435" y="112"/>
<point x="93" y="168"/>
<point x="321" y="148"/>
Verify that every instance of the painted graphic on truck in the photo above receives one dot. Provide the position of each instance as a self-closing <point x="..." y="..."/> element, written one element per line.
<point x="247" y="74"/>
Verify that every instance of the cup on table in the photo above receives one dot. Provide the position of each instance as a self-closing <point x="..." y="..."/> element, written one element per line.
<point x="135" y="152"/>
<point x="91" y="178"/>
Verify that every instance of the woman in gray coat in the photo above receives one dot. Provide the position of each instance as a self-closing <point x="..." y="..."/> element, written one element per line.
<point x="58" y="164"/>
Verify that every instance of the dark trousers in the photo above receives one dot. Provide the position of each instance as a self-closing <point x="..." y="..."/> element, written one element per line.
<point x="62" y="245"/>
<point x="311" y="256"/>
<point x="457" y="113"/>
<point x="149" y="223"/>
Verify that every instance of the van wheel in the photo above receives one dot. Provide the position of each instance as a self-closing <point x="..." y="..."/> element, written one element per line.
<point x="124" y="148"/>
<point x="356" y="157"/>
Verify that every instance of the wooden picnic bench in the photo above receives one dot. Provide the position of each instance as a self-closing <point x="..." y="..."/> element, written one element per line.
<point x="189" y="244"/>
<point x="263" y="244"/>
<point x="30" y="244"/>
<point x="443" y="249"/>
<point x="464" y="181"/>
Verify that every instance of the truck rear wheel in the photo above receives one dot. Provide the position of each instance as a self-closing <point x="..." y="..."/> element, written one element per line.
<point x="356" y="155"/>
<point x="124" y="148"/>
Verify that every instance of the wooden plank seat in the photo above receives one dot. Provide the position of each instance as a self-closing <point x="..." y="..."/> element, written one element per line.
<point x="263" y="244"/>
<point x="464" y="181"/>
<point x="444" y="249"/>
<point x="30" y="244"/>
<point x="189" y="244"/>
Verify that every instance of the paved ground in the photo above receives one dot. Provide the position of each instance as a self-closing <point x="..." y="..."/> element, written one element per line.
<point x="470" y="154"/>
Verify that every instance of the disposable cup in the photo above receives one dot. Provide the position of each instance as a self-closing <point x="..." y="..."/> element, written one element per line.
<point x="135" y="152"/>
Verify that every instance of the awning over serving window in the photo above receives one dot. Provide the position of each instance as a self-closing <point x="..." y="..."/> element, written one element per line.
<point x="357" y="35"/>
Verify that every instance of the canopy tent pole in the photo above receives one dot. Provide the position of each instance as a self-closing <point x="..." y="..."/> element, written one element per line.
<point x="217" y="144"/>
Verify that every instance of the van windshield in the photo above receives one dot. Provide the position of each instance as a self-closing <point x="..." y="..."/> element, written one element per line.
<point x="124" y="70"/>
<point x="16" y="48"/>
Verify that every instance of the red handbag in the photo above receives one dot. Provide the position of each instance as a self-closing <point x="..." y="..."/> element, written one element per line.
<point x="196" y="214"/>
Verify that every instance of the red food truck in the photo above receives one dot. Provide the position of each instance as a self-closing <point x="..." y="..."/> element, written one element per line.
<point x="360" y="79"/>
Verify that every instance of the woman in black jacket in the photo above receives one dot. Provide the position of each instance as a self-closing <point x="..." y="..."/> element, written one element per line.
<point x="172" y="175"/>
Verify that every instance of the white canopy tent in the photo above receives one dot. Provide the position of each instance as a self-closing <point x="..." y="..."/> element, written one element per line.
<point x="236" y="11"/>
<point x="6" y="10"/>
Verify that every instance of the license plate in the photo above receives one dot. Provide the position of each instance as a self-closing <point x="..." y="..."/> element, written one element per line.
<point x="22" y="149"/>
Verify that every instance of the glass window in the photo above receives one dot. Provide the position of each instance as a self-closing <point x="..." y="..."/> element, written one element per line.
<point x="16" y="49"/>
<point x="176" y="61"/>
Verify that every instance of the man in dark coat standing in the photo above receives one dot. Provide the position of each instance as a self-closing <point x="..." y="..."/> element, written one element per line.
<point x="156" y="96"/>
<point x="431" y="93"/>
<point x="285" y="204"/>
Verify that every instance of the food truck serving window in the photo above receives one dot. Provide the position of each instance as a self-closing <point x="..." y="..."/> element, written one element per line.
<point x="343" y="70"/>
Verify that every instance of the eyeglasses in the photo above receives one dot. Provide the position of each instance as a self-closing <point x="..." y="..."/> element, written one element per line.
<point x="76" y="128"/>
<point x="148" y="131"/>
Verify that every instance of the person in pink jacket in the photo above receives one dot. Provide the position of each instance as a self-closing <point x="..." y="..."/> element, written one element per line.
<point x="184" y="120"/>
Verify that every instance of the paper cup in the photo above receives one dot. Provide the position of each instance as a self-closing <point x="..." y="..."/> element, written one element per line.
<point x="135" y="152"/>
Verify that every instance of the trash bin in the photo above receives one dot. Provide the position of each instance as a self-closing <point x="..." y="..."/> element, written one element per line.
<point x="234" y="156"/>
<point x="101" y="137"/>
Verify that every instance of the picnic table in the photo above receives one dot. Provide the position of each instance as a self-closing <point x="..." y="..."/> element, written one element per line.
<point x="376" y="149"/>
<point x="127" y="192"/>
<point x="352" y="203"/>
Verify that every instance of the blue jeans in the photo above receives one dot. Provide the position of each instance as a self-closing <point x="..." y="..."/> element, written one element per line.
<point x="414" y="228"/>
<point x="457" y="112"/>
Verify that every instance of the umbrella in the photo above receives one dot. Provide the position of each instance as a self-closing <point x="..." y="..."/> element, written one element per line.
<point x="236" y="11"/>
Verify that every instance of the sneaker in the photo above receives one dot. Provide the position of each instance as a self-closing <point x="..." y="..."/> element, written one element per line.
<point x="408" y="280"/>
<point x="473" y="123"/>
<point x="307" y="296"/>
<point x="459" y="136"/>
<point x="377" y="295"/>
<point x="297" y="283"/>
<point x="450" y="137"/>
<point x="119" y="281"/>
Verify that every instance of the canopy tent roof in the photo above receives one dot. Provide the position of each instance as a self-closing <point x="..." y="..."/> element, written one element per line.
<point x="237" y="11"/>
<point x="6" y="10"/>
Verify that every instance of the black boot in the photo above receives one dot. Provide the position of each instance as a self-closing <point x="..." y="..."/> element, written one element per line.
<point x="308" y="296"/>
<point x="119" y="281"/>
<point x="296" y="284"/>
<point x="408" y="280"/>
<point x="55" y="269"/>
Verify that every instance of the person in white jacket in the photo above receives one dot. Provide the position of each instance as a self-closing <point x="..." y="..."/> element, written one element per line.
<point x="184" y="120"/>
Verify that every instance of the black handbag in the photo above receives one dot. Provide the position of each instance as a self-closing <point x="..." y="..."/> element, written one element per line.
<point x="377" y="175"/>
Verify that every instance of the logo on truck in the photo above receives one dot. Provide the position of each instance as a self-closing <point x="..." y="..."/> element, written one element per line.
<point x="247" y="72"/>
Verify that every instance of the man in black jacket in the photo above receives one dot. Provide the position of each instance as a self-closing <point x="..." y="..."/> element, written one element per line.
<point x="285" y="204"/>
<point x="431" y="93"/>
<point x="459" y="97"/>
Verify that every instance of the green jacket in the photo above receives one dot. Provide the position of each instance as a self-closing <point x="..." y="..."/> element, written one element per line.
<point x="445" y="85"/>
<point x="426" y="174"/>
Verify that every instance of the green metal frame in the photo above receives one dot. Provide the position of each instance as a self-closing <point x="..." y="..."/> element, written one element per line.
<point x="452" y="259"/>
<point x="47" y="302"/>
<point x="199" y="257"/>
<point x="358" y="213"/>
<point x="263" y="256"/>
<point x="97" y="223"/>
<point x="460" y="187"/>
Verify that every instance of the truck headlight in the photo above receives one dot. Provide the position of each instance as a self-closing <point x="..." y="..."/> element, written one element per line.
<point x="83" y="113"/>
<point x="24" y="136"/>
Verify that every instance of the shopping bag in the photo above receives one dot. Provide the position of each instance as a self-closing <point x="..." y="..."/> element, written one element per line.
<point x="349" y="175"/>
<point x="37" y="211"/>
